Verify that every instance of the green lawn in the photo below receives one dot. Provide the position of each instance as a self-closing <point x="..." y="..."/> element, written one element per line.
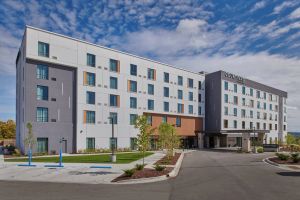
<point x="122" y="158"/>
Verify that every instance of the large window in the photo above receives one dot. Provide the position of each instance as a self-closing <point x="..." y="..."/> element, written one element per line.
<point x="150" y="104"/>
<point x="225" y="110"/>
<point x="191" y="96"/>
<point x="235" y="112"/>
<point x="226" y="98"/>
<point x="166" y="77"/>
<point x="151" y="89"/>
<point x="164" y="119"/>
<point x="180" y="108"/>
<point x="113" y="117"/>
<point x="251" y="92"/>
<point x="133" y="118"/>
<point x="235" y="88"/>
<point x="133" y="70"/>
<point x="178" y="121"/>
<point x="113" y="83"/>
<point x="166" y="92"/>
<point x="166" y="106"/>
<point x="133" y="102"/>
<point x="149" y="119"/>
<point x="179" y="80"/>
<point x="244" y="90"/>
<point x="113" y="143"/>
<point x="179" y="94"/>
<point x="89" y="79"/>
<point x="90" y="143"/>
<point x="243" y="113"/>
<point x="190" y="83"/>
<point x="89" y="117"/>
<point x="42" y="145"/>
<point x="41" y="114"/>
<point x="199" y="110"/>
<point x="113" y="100"/>
<point x="42" y="93"/>
<point x="113" y="65"/>
<point x="132" y="86"/>
<point x="151" y="74"/>
<point x="225" y="123"/>
<point x="42" y="72"/>
<point x="225" y="85"/>
<point x="90" y="97"/>
<point x="43" y="49"/>
<point x="90" y="60"/>
<point x="234" y="124"/>
<point x="235" y="100"/>
<point x="191" y="109"/>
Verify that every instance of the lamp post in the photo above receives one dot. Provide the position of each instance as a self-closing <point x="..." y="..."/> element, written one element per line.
<point x="254" y="140"/>
<point x="113" y="157"/>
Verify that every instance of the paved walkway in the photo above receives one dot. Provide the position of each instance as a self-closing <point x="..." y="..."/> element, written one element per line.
<point x="71" y="173"/>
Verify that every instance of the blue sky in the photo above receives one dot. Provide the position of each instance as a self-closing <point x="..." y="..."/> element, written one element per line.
<point x="259" y="40"/>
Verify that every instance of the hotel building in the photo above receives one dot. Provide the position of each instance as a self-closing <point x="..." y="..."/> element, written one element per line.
<point x="71" y="91"/>
<point x="237" y="106"/>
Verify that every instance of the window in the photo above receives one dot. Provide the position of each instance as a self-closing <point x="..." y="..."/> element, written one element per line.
<point x="113" y="82"/>
<point x="258" y="115"/>
<point x="244" y="90"/>
<point x="225" y="123"/>
<point x="42" y="72"/>
<point x="235" y="100"/>
<point x="43" y="49"/>
<point x="114" y="65"/>
<point x="257" y="94"/>
<point x="191" y="109"/>
<point x="234" y="124"/>
<point x="41" y="114"/>
<point x="89" y="79"/>
<point x="265" y="106"/>
<point x="150" y="104"/>
<point x="178" y="121"/>
<point x="257" y="125"/>
<point x="42" y="93"/>
<point x="251" y="113"/>
<point x="89" y="117"/>
<point x="166" y="92"/>
<point x="113" y="117"/>
<point x="133" y="118"/>
<point x="166" y="77"/>
<point x="265" y="96"/>
<point x="199" y="98"/>
<point x="251" y="125"/>
<point x="270" y="107"/>
<point x="133" y="102"/>
<point x="190" y="83"/>
<point x="90" y="60"/>
<point x="133" y="70"/>
<point x="166" y="106"/>
<point x="164" y="119"/>
<point x="113" y="143"/>
<point x="225" y="110"/>
<point x="225" y="85"/>
<point x="150" y="89"/>
<point x="90" y="97"/>
<point x="199" y="110"/>
<point x="244" y="101"/>
<point x="90" y="143"/>
<point x="265" y="126"/>
<point x="251" y="92"/>
<point x="151" y="74"/>
<point x="235" y="112"/>
<point x="133" y="143"/>
<point x="114" y="100"/>
<point x="270" y="126"/>
<point x="226" y="98"/>
<point x="243" y="113"/>
<point x="180" y="108"/>
<point x="149" y="119"/>
<point x="132" y="86"/>
<point x="235" y="88"/>
<point x="243" y="125"/>
<point x="275" y="127"/>
<point x="179" y="94"/>
<point x="190" y="96"/>
<point x="199" y="85"/>
<point x="42" y="145"/>
<point x="179" y="80"/>
<point x="258" y="104"/>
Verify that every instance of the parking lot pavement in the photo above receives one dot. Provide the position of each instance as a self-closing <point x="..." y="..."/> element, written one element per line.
<point x="70" y="173"/>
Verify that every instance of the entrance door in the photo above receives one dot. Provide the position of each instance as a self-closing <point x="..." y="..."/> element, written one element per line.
<point x="211" y="142"/>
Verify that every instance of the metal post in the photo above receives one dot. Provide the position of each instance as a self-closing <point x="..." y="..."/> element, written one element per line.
<point x="113" y="155"/>
<point x="60" y="153"/>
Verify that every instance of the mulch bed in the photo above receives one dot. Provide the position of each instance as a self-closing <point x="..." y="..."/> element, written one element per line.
<point x="145" y="173"/>
<point x="284" y="162"/>
<point x="166" y="161"/>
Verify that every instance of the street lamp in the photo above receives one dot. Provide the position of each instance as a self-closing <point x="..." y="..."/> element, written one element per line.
<point x="113" y="157"/>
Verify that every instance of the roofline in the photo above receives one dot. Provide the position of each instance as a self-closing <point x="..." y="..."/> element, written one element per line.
<point x="107" y="48"/>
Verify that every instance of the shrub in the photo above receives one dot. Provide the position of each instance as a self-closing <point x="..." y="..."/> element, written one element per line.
<point x="294" y="148"/>
<point x="139" y="167"/>
<point x="282" y="156"/>
<point x="129" y="172"/>
<point x="260" y="150"/>
<point x="17" y="152"/>
<point x="159" y="168"/>
<point x="295" y="157"/>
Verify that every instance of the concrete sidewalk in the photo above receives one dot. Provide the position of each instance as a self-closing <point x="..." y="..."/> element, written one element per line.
<point x="71" y="173"/>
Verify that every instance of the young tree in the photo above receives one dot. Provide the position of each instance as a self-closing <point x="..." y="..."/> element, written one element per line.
<point x="8" y="129"/>
<point x="30" y="140"/>
<point x="290" y="139"/>
<point x="168" y="138"/>
<point x="143" y="138"/>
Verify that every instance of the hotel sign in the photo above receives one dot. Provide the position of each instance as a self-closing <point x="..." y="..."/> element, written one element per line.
<point x="234" y="77"/>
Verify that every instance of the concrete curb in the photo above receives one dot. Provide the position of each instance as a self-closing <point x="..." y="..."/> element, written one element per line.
<point x="284" y="167"/>
<point x="176" y="169"/>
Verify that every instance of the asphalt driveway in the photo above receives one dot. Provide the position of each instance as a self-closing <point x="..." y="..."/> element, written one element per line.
<point x="204" y="175"/>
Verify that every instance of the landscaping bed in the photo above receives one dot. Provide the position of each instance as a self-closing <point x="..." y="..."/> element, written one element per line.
<point x="283" y="162"/>
<point x="166" y="161"/>
<point x="144" y="173"/>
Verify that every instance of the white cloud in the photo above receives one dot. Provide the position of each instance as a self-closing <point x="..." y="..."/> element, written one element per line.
<point x="295" y="14"/>
<point x="284" y="5"/>
<point x="258" y="5"/>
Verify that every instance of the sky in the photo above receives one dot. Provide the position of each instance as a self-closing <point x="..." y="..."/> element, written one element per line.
<point x="259" y="40"/>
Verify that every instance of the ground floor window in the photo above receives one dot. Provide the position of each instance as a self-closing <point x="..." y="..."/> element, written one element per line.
<point x="133" y="143"/>
<point x="113" y="143"/>
<point x="42" y="145"/>
<point x="90" y="143"/>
